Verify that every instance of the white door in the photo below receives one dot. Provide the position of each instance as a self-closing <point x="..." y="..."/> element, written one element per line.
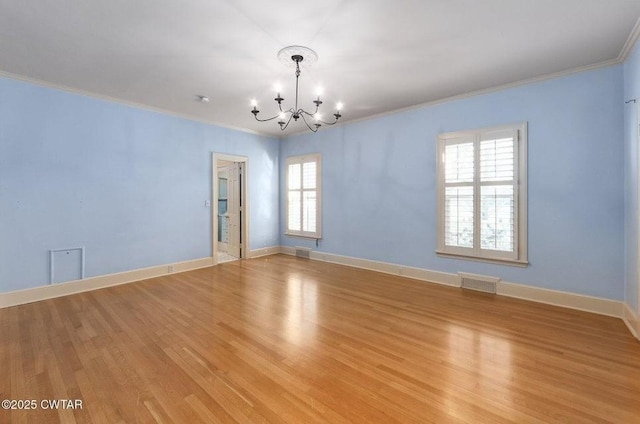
<point x="234" y="209"/>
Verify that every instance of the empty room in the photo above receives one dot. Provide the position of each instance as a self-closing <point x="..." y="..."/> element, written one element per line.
<point x="350" y="211"/>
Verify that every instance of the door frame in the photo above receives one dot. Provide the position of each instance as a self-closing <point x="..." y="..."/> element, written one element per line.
<point x="637" y="235"/>
<point x="244" y="190"/>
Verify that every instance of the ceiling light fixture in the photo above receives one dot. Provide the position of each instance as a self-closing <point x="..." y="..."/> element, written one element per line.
<point x="294" y="55"/>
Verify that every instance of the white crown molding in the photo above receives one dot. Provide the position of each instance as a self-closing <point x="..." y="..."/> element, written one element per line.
<point x="20" y="297"/>
<point x="630" y="43"/>
<point x="542" y="78"/>
<point x="622" y="56"/>
<point x="612" y="62"/>
<point x="110" y="99"/>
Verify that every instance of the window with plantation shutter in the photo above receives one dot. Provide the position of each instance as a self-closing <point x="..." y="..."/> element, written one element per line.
<point x="482" y="194"/>
<point x="303" y="196"/>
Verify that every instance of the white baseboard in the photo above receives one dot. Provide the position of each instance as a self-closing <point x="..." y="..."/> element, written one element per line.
<point x="632" y="321"/>
<point x="265" y="251"/>
<point x="598" y="305"/>
<point x="20" y="297"/>
<point x="553" y="297"/>
<point x="386" y="267"/>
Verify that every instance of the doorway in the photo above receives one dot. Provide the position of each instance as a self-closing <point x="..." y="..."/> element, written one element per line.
<point x="230" y="209"/>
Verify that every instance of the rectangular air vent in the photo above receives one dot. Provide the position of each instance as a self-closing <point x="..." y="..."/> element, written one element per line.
<point x="481" y="283"/>
<point x="303" y="252"/>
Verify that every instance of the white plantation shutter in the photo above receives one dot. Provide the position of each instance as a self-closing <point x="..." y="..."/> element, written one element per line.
<point x="482" y="203"/>
<point x="497" y="225"/>
<point x="497" y="191"/>
<point x="294" y="220"/>
<point x="458" y="226"/>
<point x="458" y="198"/>
<point x="309" y="207"/>
<point x="303" y="196"/>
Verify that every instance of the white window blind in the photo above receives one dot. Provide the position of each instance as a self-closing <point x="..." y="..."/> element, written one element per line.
<point x="482" y="193"/>
<point x="303" y="196"/>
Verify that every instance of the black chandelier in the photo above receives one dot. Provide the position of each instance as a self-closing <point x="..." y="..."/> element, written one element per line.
<point x="294" y="55"/>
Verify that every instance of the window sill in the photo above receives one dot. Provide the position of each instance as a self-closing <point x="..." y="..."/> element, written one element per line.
<point x="306" y="236"/>
<point x="509" y="262"/>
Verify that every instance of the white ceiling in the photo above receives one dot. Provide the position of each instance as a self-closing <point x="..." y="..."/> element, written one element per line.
<point x="374" y="55"/>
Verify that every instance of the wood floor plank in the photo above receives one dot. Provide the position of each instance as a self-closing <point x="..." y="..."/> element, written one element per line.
<point x="286" y="340"/>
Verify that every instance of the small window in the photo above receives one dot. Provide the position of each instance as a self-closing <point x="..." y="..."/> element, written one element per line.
<point x="482" y="194"/>
<point x="304" y="196"/>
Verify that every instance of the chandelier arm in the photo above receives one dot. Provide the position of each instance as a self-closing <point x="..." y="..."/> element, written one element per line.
<point x="307" y="124"/>
<point x="284" y="127"/>
<point x="303" y="112"/>
<point x="265" y="120"/>
<point x="335" y="121"/>
<point x="328" y="123"/>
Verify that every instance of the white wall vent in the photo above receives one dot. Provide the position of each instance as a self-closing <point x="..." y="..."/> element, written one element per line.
<point x="66" y="264"/>
<point x="303" y="252"/>
<point x="477" y="282"/>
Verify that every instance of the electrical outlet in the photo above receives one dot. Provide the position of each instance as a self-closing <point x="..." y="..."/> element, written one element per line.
<point x="170" y="268"/>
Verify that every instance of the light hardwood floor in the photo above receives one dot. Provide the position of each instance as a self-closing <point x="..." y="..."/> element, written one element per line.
<point x="281" y="339"/>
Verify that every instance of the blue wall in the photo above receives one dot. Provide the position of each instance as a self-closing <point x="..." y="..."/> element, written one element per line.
<point x="128" y="184"/>
<point x="631" y="91"/>
<point x="379" y="182"/>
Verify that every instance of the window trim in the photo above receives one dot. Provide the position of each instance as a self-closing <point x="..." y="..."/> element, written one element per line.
<point x="312" y="157"/>
<point x="520" y="256"/>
